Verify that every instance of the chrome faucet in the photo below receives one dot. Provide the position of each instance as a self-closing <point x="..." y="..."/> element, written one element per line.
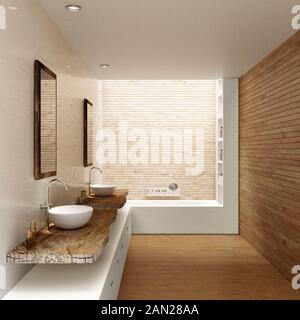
<point x="47" y="205"/>
<point x="90" y="176"/>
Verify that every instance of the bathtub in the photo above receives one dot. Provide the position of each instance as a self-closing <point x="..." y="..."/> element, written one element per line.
<point x="176" y="216"/>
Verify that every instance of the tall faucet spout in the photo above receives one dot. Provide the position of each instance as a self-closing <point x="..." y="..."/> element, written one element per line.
<point x="47" y="205"/>
<point x="90" y="176"/>
<point x="52" y="182"/>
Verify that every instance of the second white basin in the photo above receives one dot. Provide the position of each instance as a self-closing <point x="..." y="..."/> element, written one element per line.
<point x="70" y="217"/>
<point x="102" y="190"/>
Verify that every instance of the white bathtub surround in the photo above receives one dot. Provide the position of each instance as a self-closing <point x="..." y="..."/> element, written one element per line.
<point x="30" y="35"/>
<point x="176" y="216"/>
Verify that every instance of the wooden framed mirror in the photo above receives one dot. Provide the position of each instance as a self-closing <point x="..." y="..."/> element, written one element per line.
<point x="88" y="149"/>
<point x="45" y="122"/>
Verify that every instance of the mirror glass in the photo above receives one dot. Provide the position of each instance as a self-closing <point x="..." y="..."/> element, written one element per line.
<point x="48" y="123"/>
<point x="88" y="133"/>
<point x="45" y="122"/>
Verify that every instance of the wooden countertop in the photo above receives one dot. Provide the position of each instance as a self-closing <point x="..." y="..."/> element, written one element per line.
<point x="116" y="201"/>
<point x="75" y="282"/>
<point x="85" y="245"/>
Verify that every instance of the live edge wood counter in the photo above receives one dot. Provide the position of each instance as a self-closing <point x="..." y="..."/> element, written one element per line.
<point x="116" y="201"/>
<point x="85" y="245"/>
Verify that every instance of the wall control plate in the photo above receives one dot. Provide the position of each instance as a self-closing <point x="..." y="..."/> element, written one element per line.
<point x="162" y="192"/>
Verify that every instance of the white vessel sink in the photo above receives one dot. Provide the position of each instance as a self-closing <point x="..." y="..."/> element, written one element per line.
<point x="70" y="217"/>
<point x="102" y="190"/>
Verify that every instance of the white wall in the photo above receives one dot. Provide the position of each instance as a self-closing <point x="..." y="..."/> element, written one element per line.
<point x="31" y="35"/>
<point x="231" y="156"/>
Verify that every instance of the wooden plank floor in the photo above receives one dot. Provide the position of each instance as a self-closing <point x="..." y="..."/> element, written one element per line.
<point x="199" y="267"/>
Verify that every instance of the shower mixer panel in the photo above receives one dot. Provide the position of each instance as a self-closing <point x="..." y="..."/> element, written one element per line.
<point x="170" y="192"/>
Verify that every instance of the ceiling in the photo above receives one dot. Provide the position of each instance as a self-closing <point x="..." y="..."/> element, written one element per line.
<point x="173" y="39"/>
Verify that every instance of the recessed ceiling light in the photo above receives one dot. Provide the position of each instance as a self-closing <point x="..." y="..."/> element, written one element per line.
<point x="73" y="8"/>
<point x="104" y="66"/>
<point x="68" y="66"/>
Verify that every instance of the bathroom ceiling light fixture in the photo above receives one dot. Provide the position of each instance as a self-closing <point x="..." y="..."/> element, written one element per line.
<point x="74" y="8"/>
<point x="104" y="65"/>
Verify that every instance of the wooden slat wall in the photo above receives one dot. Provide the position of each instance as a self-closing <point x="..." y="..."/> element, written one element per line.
<point x="270" y="156"/>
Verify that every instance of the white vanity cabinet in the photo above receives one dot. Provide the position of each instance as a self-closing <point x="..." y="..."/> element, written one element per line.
<point x="100" y="280"/>
<point x="112" y="284"/>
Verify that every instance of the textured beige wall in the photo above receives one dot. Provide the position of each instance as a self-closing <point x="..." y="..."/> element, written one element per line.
<point x="31" y="35"/>
<point x="160" y="105"/>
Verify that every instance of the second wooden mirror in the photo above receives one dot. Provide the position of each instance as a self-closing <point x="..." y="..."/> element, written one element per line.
<point x="88" y="134"/>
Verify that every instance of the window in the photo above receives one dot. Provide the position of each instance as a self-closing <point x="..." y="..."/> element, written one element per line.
<point x="157" y="133"/>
